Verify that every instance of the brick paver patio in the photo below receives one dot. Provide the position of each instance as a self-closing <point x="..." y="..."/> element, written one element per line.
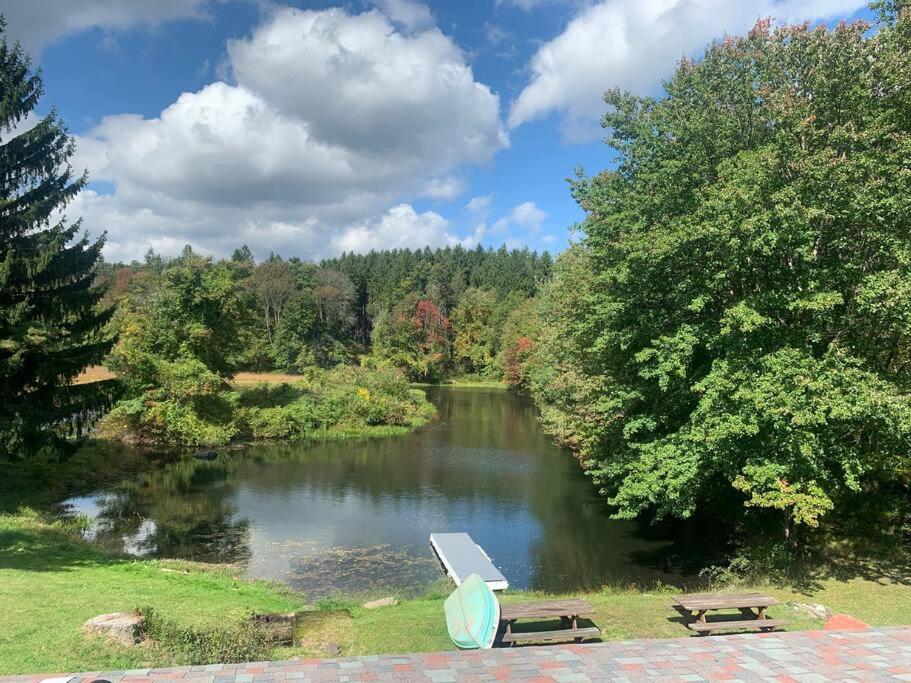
<point x="869" y="655"/>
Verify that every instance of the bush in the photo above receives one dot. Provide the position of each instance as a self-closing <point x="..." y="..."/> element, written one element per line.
<point x="189" y="645"/>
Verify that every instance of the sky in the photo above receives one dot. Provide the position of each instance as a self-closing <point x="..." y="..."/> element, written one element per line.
<point x="310" y="128"/>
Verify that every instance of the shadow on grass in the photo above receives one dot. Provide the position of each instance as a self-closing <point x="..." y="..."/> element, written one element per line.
<point x="40" y="548"/>
<point x="270" y="395"/>
<point x="544" y="626"/>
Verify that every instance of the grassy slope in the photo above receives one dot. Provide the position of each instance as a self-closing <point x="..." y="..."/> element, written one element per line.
<point x="50" y="584"/>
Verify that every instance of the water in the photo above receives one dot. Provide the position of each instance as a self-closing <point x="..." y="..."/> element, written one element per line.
<point x="355" y="516"/>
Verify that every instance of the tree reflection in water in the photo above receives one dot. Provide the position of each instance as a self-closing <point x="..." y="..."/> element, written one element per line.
<point x="355" y="516"/>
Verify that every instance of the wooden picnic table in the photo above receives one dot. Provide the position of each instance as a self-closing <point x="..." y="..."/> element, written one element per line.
<point x="752" y="608"/>
<point x="568" y="611"/>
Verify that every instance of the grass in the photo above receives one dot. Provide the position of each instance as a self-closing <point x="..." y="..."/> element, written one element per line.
<point x="51" y="582"/>
<point x="94" y="373"/>
<point x="97" y="373"/>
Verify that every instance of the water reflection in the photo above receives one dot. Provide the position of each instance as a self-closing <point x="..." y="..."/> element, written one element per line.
<point x="356" y="515"/>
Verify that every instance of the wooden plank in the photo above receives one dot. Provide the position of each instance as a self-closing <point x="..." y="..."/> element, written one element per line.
<point x="704" y="601"/>
<point x="562" y="634"/>
<point x="738" y="625"/>
<point x="545" y="609"/>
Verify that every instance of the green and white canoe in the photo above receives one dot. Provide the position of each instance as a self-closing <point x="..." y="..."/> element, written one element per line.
<point x="472" y="614"/>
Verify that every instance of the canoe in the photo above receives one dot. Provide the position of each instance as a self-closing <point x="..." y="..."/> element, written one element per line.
<point x="472" y="614"/>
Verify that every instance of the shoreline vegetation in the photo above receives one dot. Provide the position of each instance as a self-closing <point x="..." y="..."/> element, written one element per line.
<point x="44" y="561"/>
<point x="412" y="411"/>
<point x="345" y="402"/>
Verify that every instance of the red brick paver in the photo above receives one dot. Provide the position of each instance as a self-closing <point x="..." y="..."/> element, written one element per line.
<point x="869" y="655"/>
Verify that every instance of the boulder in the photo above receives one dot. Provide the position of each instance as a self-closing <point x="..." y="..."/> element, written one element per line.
<point x="123" y="626"/>
<point x="382" y="602"/>
<point x="816" y="611"/>
<point x="331" y="649"/>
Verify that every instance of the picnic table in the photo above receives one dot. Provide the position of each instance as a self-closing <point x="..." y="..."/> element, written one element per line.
<point x="568" y="611"/>
<point x="752" y="608"/>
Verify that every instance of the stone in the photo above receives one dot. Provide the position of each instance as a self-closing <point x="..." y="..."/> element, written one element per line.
<point x="331" y="649"/>
<point x="123" y="626"/>
<point x="816" y="610"/>
<point x="382" y="602"/>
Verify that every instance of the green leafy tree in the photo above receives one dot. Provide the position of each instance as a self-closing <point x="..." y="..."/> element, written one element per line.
<point x="747" y="328"/>
<point x="178" y="345"/>
<point x="293" y="340"/>
<point x="274" y="285"/>
<point x="51" y="327"/>
<point x="414" y="337"/>
<point x="475" y="335"/>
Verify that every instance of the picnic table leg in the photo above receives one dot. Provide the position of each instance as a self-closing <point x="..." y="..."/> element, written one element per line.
<point x="700" y="616"/>
<point x="761" y="617"/>
<point x="575" y="625"/>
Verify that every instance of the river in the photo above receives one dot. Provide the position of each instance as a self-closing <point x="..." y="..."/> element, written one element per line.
<point x="354" y="516"/>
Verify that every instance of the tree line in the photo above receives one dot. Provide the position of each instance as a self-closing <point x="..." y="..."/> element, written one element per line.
<point x="430" y="312"/>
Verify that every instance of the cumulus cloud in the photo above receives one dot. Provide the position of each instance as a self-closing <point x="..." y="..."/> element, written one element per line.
<point x="633" y="44"/>
<point x="479" y="207"/>
<point x="334" y="117"/>
<point x="399" y="228"/>
<point x="409" y="13"/>
<point x="35" y="23"/>
<point x="526" y="215"/>
<point x="527" y="5"/>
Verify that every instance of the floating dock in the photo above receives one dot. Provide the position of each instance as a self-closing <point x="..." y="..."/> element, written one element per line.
<point x="461" y="557"/>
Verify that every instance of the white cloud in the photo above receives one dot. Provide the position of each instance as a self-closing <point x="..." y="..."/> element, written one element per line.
<point x="358" y="82"/>
<point x="479" y="206"/>
<point x="333" y="119"/>
<point x="399" y="228"/>
<point x="527" y="5"/>
<point x="35" y="23"/>
<point x="444" y="189"/>
<point x="409" y="13"/>
<point x="526" y="215"/>
<point x="633" y="44"/>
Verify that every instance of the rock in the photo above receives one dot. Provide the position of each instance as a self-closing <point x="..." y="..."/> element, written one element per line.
<point x="331" y="649"/>
<point x="123" y="626"/>
<point x="206" y="455"/>
<point x="816" y="611"/>
<point x="382" y="602"/>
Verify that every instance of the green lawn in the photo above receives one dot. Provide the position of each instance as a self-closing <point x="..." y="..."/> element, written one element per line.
<point x="51" y="583"/>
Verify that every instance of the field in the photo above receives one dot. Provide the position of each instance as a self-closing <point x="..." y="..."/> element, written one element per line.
<point x="97" y="373"/>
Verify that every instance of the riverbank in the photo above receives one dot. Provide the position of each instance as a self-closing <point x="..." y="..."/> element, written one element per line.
<point x="51" y="582"/>
<point x="342" y="402"/>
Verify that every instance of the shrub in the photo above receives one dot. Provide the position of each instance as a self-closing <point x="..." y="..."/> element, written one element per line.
<point x="187" y="645"/>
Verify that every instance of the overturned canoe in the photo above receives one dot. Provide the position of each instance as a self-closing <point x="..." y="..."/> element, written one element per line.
<point x="472" y="614"/>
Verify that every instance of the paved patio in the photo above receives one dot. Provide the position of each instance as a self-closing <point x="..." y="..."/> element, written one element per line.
<point x="869" y="655"/>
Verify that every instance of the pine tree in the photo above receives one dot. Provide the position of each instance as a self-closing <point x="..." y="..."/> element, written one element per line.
<point x="50" y="325"/>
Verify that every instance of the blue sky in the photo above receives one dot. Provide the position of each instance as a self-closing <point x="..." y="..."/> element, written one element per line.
<point x="308" y="128"/>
